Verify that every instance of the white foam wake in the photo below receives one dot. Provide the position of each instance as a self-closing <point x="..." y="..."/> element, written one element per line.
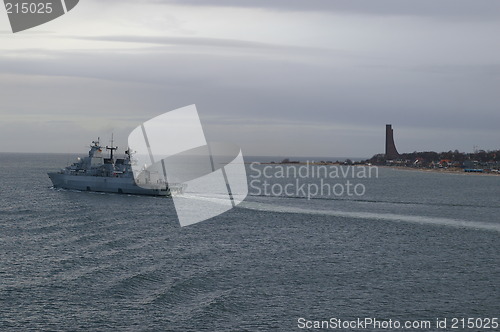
<point x="374" y="216"/>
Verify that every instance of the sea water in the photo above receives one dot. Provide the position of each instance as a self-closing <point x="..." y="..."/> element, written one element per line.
<point x="416" y="246"/>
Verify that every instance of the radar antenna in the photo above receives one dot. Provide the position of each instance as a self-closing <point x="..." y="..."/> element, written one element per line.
<point x="111" y="148"/>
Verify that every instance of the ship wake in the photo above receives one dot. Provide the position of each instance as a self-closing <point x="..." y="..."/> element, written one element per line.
<point x="373" y="216"/>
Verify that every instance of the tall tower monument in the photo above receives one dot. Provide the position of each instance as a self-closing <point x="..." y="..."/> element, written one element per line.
<point x="390" y="148"/>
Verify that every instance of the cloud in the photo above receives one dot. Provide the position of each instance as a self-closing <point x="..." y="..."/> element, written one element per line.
<point x="192" y="41"/>
<point x="256" y="99"/>
<point x="459" y="9"/>
<point x="287" y="81"/>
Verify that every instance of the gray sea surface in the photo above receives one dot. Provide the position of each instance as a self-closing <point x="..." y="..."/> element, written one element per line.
<point x="415" y="246"/>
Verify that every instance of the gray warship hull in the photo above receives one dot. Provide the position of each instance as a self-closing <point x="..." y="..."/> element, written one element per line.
<point x="120" y="185"/>
<point x="111" y="175"/>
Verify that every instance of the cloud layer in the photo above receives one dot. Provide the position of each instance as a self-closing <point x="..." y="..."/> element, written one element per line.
<point x="292" y="78"/>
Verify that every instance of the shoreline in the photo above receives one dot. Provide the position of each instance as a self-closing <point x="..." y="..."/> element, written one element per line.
<point x="440" y="170"/>
<point x="453" y="170"/>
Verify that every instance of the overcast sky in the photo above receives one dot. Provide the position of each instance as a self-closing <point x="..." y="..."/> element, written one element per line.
<point x="277" y="77"/>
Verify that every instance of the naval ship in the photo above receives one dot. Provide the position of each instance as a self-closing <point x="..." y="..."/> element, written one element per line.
<point x="113" y="175"/>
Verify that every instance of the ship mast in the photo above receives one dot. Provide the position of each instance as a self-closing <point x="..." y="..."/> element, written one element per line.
<point x="111" y="148"/>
